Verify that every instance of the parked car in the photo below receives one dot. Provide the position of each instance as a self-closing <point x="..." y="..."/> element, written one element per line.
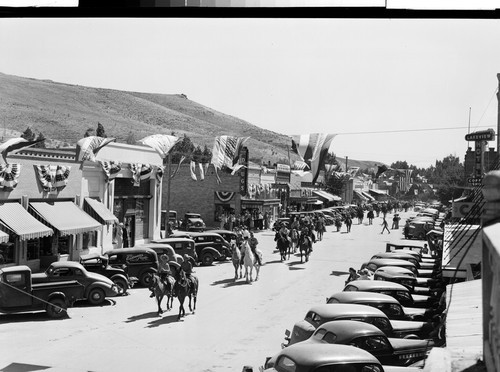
<point x="319" y="314"/>
<point x="192" y="222"/>
<point x="405" y="277"/>
<point x="308" y="357"/>
<point x="138" y="262"/>
<point x="402" y="255"/>
<point x="396" y="290"/>
<point x="226" y="234"/>
<point x="389" y="351"/>
<point x="19" y="294"/>
<point x="211" y="247"/>
<point x="99" y="264"/>
<point x="181" y="234"/>
<point x="388" y="304"/>
<point x="418" y="229"/>
<point x="375" y="264"/>
<point x="181" y="246"/>
<point x="96" y="286"/>
<point x="415" y="250"/>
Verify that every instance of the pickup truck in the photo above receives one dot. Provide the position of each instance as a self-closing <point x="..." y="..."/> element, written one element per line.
<point x="19" y="294"/>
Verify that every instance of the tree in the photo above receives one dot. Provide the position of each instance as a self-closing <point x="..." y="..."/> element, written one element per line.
<point x="100" y="132"/>
<point x="41" y="144"/>
<point x="448" y="178"/>
<point x="207" y="155"/>
<point x="131" y="140"/>
<point x="90" y="132"/>
<point x="182" y="148"/>
<point x="28" y="134"/>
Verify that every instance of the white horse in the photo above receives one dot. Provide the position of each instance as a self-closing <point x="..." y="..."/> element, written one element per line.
<point x="250" y="262"/>
<point x="236" y="259"/>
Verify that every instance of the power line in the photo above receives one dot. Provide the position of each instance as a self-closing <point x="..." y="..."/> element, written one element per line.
<point x="409" y="130"/>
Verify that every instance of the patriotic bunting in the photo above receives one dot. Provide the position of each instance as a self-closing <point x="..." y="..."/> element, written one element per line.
<point x="15" y="144"/>
<point x="52" y="177"/>
<point x="192" y="169"/>
<point x="226" y="153"/>
<point x="159" y="174"/>
<point x="9" y="175"/>
<point x="300" y="165"/>
<point x="161" y="143"/>
<point x="312" y="148"/>
<point x="88" y="147"/>
<point x="404" y="179"/>
<point x="110" y="169"/>
<point x="224" y="196"/>
<point x="140" y="172"/>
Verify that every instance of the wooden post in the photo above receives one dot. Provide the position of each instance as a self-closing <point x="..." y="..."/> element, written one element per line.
<point x="167" y="217"/>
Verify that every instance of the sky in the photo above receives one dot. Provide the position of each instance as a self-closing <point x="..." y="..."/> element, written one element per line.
<point x="389" y="88"/>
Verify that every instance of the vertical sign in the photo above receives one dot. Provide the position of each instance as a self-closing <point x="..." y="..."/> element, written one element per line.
<point x="243" y="171"/>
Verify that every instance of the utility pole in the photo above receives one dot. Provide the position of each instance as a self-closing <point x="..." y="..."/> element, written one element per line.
<point x="167" y="214"/>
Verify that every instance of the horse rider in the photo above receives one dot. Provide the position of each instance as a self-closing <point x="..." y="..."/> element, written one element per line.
<point x="163" y="271"/>
<point x="284" y="232"/>
<point x="252" y="241"/>
<point x="188" y="264"/>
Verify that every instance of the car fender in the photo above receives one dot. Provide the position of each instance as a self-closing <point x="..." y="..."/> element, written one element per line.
<point x="104" y="286"/>
<point x="60" y="295"/>
<point x="214" y="252"/>
<point x="121" y="276"/>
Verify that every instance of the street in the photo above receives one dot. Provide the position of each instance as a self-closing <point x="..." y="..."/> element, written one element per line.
<point x="235" y="323"/>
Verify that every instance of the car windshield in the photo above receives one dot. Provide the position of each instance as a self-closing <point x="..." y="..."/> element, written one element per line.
<point x="286" y="364"/>
<point x="402" y="295"/>
<point x="351" y="367"/>
<point x="381" y="323"/>
<point x="323" y="335"/>
<point x="314" y="318"/>
<point x="391" y="309"/>
<point x="350" y="288"/>
<point x="372" y="343"/>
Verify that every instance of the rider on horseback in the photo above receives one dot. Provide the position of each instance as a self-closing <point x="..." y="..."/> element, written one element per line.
<point x="163" y="270"/>
<point x="253" y="246"/>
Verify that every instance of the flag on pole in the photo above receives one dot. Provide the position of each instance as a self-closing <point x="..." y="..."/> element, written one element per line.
<point x="226" y="153"/>
<point x="13" y="144"/>
<point x="161" y="143"/>
<point x="312" y="148"/>
<point x="88" y="147"/>
<point x="404" y="179"/>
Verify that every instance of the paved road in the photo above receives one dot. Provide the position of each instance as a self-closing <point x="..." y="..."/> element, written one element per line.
<point x="235" y="323"/>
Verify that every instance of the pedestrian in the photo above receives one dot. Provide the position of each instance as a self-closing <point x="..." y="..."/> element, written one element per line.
<point x="406" y="230"/>
<point x="353" y="275"/>
<point x="385" y="225"/>
<point x="364" y="274"/>
<point x="119" y="235"/>
<point x="370" y="216"/>
<point x="348" y="223"/>
<point x="126" y="236"/>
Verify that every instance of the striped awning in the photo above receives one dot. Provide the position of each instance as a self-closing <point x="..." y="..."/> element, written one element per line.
<point x="99" y="212"/>
<point x="4" y="238"/>
<point x="13" y="217"/>
<point x="65" y="217"/>
<point x="326" y="195"/>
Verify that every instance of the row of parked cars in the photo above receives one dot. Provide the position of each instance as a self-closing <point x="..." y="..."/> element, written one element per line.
<point x="387" y="323"/>
<point x="97" y="276"/>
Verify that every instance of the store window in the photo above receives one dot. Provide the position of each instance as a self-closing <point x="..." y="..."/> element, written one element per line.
<point x="89" y="239"/>
<point x="63" y="244"/>
<point x="33" y="249"/>
<point x="6" y="253"/>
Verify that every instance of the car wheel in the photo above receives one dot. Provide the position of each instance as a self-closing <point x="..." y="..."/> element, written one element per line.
<point x="96" y="296"/>
<point x="207" y="259"/>
<point x="146" y="278"/>
<point x="121" y="284"/>
<point x="56" y="308"/>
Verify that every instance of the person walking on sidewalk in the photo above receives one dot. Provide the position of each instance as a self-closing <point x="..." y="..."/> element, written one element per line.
<point x="385" y="226"/>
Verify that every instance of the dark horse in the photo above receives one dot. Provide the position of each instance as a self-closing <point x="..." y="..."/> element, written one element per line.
<point x="284" y="245"/>
<point x="186" y="287"/>
<point x="162" y="289"/>
<point x="305" y="245"/>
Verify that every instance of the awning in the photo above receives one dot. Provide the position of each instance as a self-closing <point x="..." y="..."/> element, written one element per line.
<point x="378" y="192"/>
<point x="326" y="195"/>
<point x="4" y="238"/>
<point x="367" y="195"/>
<point x="65" y="216"/>
<point x="99" y="212"/>
<point x="359" y="195"/>
<point x="318" y="202"/>
<point x="13" y="217"/>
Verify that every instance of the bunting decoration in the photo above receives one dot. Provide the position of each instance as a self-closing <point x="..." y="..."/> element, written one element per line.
<point x="161" y="143"/>
<point x="13" y="144"/>
<point x="192" y="169"/>
<point x="380" y="169"/>
<point x="404" y="179"/>
<point x="178" y="166"/>
<point x="226" y="153"/>
<point x="159" y="174"/>
<point x="140" y="172"/>
<point x="312" y="149"/>
<point x="352" y="171"/>
<point x="110" y="169"/>
<point x="88" y="147"/>
<point x="224" y="196"/>
<point x="9" y="175"/>
<point x="331" y="168"/>
<point x="300" y="165"/>
<point x="52" y="177"/>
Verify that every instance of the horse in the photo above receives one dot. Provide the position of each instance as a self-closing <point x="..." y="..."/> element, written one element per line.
<point x="294" y="236"/>
<point x="162" y="289"/>
<point x="193" y="291"/>
<point x="305" y="245"/>
<point x="236" y="259"/>
<point x="250" y="262"/>
<point x="182" y="289"/>
<point x="284" y="245"/>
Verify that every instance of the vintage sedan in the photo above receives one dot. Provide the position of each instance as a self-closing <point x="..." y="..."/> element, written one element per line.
<point x="405" y="277"/>
<point x="396" y="290"/>
<point x="402" y="255"/>
<point x="99" y="264"/>
<point x="137" y="261"/>
<point x="390" y="351"/>
<point x="193" y="222"/>
<point x="180" y="246"/>
<point x="319" y="314"/>
<point x="375" y="264"/>
<point x="97" y="286"/>
<point x="307" y="357"/>
<point x="226" y="234"/>
<point x="388" y="304"/>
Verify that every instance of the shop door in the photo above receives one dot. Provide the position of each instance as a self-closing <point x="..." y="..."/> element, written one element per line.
<point x="130" y="221"/>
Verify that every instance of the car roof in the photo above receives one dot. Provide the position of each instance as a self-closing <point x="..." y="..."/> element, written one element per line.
<point x="376" y="284"/>
<point x="394" y="254"/>
<point x="347" y="330"/>
<point x="204" y="233"/>
<point x="319" y="354"/>
<point x="66" y="264"/>
<point x="91" y="256"/>
<point x="10" y="269"/>
<point x="339" y="310"/>
<point x="222" y="232"/>
<point x="362" y="296"/>
<point x="395" y="270"/>
<point x="129" y="250"/>
<point x="165" y="241"/>
<point x="390" y="262"/>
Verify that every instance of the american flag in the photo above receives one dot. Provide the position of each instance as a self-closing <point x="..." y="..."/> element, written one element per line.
<point x="404" y="179"/>
<point x="88" y="147"/>
<point x="312" y="148"/>
<point x="13" y="144"/>
<point x="226" y="153"/>
<point x="161" y="143"/>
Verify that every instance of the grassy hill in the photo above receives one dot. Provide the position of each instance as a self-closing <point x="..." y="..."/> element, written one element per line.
<point x="63" y="112"/>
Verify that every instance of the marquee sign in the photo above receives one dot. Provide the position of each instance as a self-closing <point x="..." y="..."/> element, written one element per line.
<point x="243" y="171"/>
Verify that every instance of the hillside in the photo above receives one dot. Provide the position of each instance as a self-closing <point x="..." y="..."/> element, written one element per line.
<point x="63" y="112"/>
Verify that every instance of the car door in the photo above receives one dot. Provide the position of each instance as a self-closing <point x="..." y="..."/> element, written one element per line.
<point x="15" y="289"/>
